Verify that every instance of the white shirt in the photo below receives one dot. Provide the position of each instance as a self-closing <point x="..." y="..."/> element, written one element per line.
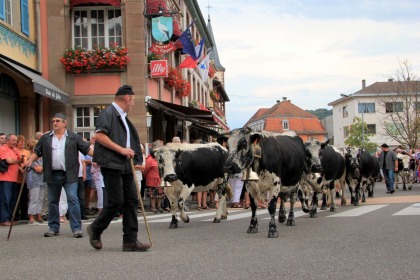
<point x="123" y="116"/>
<point x="58" y="152"/>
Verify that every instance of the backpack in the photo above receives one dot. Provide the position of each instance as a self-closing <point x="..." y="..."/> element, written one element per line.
<point x="4" y="165"/>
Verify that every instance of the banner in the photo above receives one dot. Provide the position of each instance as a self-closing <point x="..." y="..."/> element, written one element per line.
<point x="163" y="49"/>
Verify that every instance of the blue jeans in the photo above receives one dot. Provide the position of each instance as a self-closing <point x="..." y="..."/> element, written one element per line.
<point x="389" y="179"/>
<point x="59" y="180"/>
<point x="8" y="197"/>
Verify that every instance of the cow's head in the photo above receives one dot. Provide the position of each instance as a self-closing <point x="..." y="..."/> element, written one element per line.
<point x="313" y="152"/>
<point x="167" y="158"/>
<point x="405" y="161"/>
<point x="241" y="149"/>
<point x="353" y="157"/>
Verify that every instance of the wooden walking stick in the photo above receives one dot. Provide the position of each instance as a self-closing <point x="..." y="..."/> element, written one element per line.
<point x="141" y="201"/>
<point x="17" y="203"/>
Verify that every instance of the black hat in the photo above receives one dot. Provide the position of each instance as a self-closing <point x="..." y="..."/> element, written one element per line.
<point x="59" y="116"/>
<point x="125" y="89"/>
<point x="384" y="145"/>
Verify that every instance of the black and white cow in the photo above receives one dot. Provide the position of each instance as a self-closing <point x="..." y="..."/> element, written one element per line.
<point x="372" y="179"/>
<point x="280" y="168"/>
<point x="406" y="171"/>
<point x="189" y="167"/>
<point x="359" y="170"/>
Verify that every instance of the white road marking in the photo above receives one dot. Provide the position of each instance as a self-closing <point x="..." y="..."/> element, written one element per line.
<point x="359" y="211"/>
<point x="191" y="215"/>
<point x="240" y="215"/>
<point x="412" y="210"/>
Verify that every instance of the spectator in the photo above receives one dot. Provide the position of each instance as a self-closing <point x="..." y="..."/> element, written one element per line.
<point x="176" y="139"/>
<point x="36" y="187"/>
<point x="117" y="142"/>
<point x="139" y="174"/>
<point x="81" y="186"/>
<point x="236" y="184"/>
<point x="88" y="184"/>
<point x="60" y="151"/>
<point x="8" y="179"/>
<point x="2" y="138"/>
<point x="98" y="180"/>
<point x="388" y="162"/>
<point x="22" y="213"/>
<point x="151" y="173"/>
<point x="38" y="135"/>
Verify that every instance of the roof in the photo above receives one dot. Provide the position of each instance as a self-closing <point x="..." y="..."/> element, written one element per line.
<point x="300" y="121"/>
<point x="214" y="55"/>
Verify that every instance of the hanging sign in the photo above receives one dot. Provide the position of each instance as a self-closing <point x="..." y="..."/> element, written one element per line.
<point x="162" y="49"/>
<point x="158" y="68"/>
<point x="162" y="28"/>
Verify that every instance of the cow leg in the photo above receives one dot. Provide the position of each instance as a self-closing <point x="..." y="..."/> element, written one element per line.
<point x="291" y="217"/>
<point x="332" y="201"/>
<point x="303" y="198"/>
<point x="272" y="228"/>
<point x="314" y="203"/>
<point x="343" y="187"/>
<point x="371" y="186"/>
<point x="253" y="226"/>
<point x="185" y="193"/>
<point x="282" y="209"/>
<point x="221" y="213"/>
<point x="356" y="194"/>
<point x="324" y="201"/>
<point x="404" y="179"/>
<point x="170" y="194"/>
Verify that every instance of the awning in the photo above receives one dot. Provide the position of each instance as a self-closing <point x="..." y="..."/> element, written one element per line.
<point x="41" y="85"/>
<point x="116" y="3"/>
<point x="206" y="129"/>
<point x="220" y="122"/>
<point x="183" y="112"/>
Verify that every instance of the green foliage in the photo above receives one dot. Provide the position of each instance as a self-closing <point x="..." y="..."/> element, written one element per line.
<point x="321" y="113"/>
<point x="355" y="136"/>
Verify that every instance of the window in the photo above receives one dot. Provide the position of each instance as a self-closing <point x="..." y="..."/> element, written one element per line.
<point x="285" y="124"/>
<point x="345" y="112"/>
<point x="24" y="16"/>
<point x="6" y="11"/>
<point x="392" y="107"/>
<point x="371" y="128"/>
<point x="346" y="131"/>
<point x="366" y="108"/>
<point x="96" y="27"/>
<point x="85" y="119"/>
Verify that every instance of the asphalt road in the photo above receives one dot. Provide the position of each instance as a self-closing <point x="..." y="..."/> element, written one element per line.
<point x="365" y="242"/>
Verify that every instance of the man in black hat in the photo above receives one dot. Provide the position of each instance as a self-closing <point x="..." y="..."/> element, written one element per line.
<point x="59" y="150"/>
<point x="117" y="141"/>
<point x="389" y="163"/>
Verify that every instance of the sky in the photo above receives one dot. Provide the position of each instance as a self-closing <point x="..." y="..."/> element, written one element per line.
<point x="309" y="51"/>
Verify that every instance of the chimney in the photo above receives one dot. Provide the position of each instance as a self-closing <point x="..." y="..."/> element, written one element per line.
<point x="277" y="101"/>
<point x="390" y="80"/>
<point x="284" y="98"/>
<point x="363" y="84"/>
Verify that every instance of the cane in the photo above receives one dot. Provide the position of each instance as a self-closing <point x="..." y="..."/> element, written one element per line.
<point x="141" y="201"/>
<point x="17" y="203"/>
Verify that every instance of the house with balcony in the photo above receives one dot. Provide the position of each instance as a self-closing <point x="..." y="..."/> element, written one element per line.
<point x="378" y="105"/>
<point x="285" y="116"/>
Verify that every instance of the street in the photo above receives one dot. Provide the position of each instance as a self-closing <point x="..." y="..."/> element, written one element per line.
<point x="379" y="239"/>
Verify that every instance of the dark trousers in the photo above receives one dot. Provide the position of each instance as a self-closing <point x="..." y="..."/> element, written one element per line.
<point x="121" y="193"/>
<point x="7" y="200"/>
<point x="81" y="196"/>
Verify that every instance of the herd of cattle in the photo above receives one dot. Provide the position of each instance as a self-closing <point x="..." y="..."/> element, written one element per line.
<point x="286" y="168"/>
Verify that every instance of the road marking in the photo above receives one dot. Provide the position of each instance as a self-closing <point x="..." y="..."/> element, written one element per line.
<point x="191" y="215"/>
<point x="359" y="211"/>
<point x="412" y="210"/>
<point x="241" y="215"/>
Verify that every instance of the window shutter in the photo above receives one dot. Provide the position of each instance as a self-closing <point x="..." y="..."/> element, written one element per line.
<point x="2" y="9"/>
<point x="24" y="16"/>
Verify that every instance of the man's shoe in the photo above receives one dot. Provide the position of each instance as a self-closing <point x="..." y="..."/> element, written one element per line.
<point x="392" y="191"/>
<point x="5" y="224"/>
<point x="77" y="234"/>
<point x="84" y="218"/>
<point x="50" y="233"/>
<point x="94" y="241"/>
<point x="138" y="247"/>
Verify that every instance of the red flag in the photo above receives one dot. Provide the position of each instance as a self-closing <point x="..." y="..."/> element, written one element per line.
<point x="188" y="62"/>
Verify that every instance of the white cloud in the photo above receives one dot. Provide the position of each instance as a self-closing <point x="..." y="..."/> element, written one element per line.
<point x="310" y="54"/>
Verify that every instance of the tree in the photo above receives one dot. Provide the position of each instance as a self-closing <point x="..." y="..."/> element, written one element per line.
<point x="355" y="136"/>
<point x="401" y="106"/>
<point x="321" y="113"/>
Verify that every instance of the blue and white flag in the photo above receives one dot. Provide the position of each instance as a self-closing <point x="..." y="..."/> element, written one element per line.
<point x="203" y="68"/>
<point x="162" y="28"/>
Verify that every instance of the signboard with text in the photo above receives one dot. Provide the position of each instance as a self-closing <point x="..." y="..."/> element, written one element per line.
<point x="159" y="68"/>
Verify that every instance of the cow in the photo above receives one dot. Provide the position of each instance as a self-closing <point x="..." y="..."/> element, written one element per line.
<point x="332" y="170"/>
<point x="359" y="170"/>
<point x="406" y="171"/>
<point x="279" y="161"/>
<point x="376" y="173"/>
<point x="189" y="167"/>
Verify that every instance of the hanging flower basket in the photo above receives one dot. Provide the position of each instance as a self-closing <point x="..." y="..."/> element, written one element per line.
<point x="215" y="95"/>
<point x="174" y="81"/>
<point x="79" y="60"/>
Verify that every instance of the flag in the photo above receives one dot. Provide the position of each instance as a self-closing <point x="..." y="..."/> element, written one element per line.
<point x="189" y="62"/>
<point x="203" y="68"/>
<point x="187" y="42"/>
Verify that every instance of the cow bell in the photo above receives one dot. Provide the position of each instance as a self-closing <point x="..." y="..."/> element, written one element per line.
<point x="164" y="183"/>
<point x="250" y="175"/>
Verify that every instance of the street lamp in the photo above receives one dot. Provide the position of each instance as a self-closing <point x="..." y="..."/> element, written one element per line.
<point x="148" y="124"/>
<point x="363" y="125"/>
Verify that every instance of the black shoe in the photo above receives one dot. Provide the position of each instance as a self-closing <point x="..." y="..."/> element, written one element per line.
<point x="388" y="192"/>
<point x="392" y="191"/>
<point x="95" y="241"/>
<point x="138" y="247"/>
<point x="50" y="233"/>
